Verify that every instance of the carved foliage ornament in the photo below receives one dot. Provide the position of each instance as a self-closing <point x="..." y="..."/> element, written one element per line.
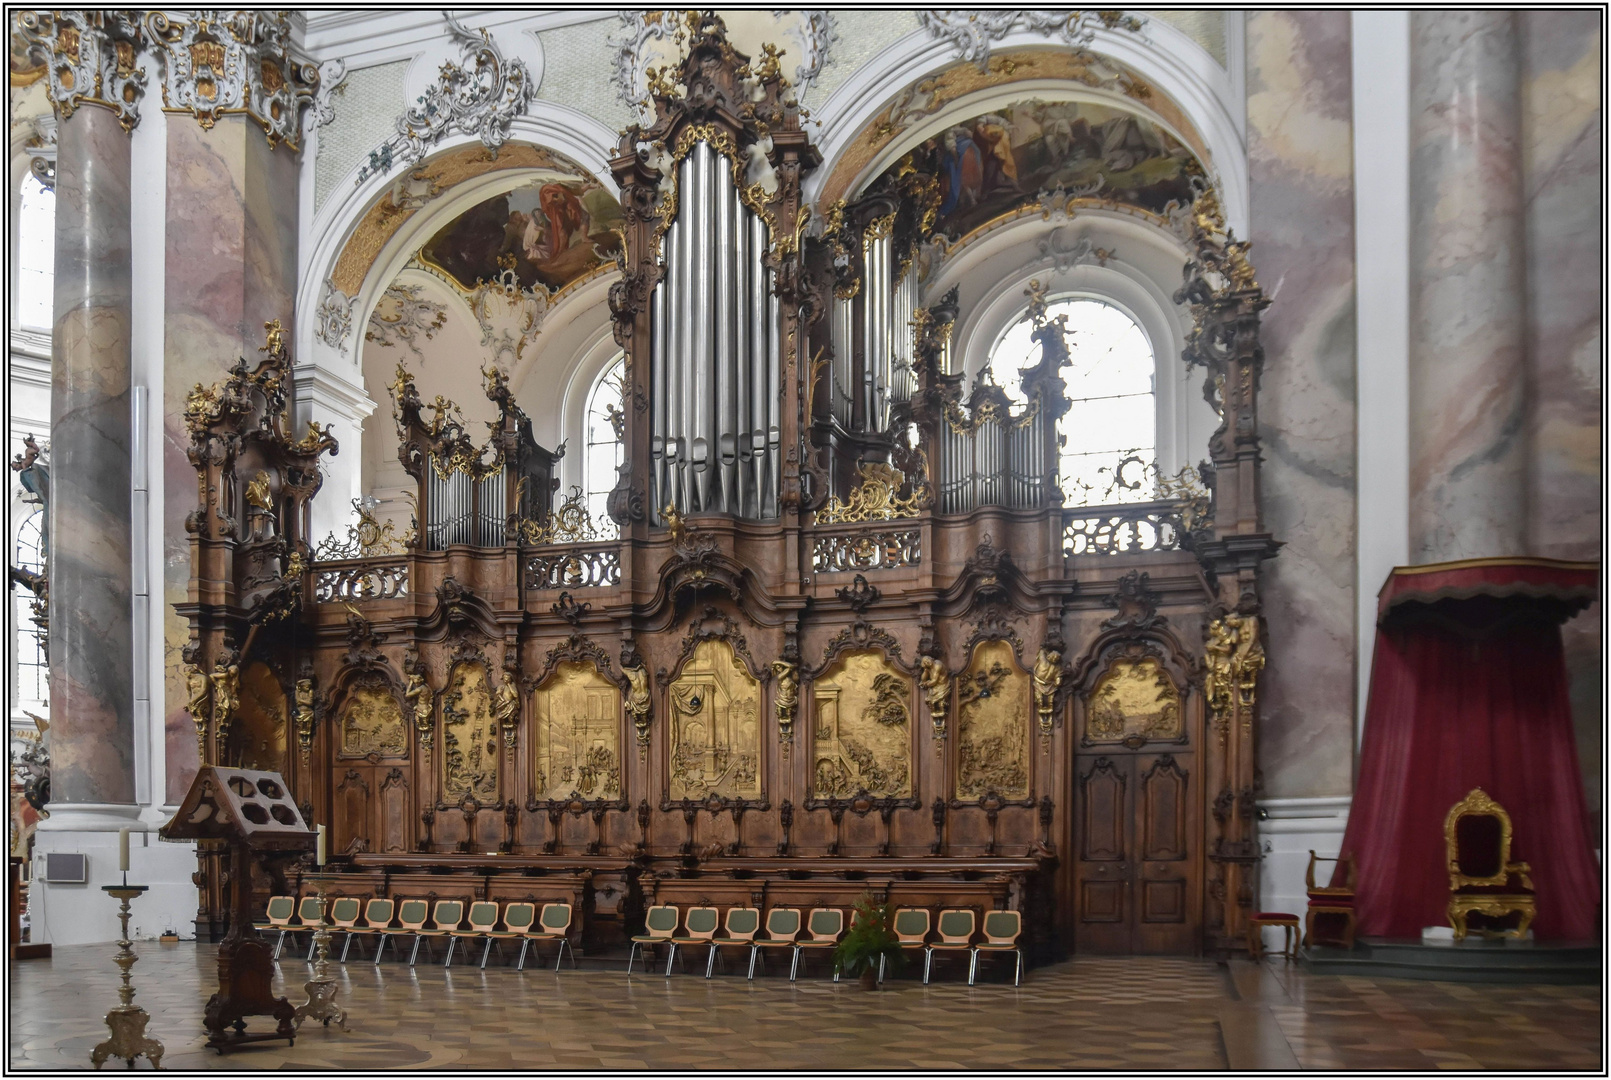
<point x="875" y="499"/>
<point x="89" y="59"/>
<point x="220" y="62"/>
<point x="334" y="315"/>
<point x="971" y="32"/>
<point x="480" y="95"/>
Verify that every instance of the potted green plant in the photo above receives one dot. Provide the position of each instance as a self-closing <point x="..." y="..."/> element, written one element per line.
<point x="869" y="940"/>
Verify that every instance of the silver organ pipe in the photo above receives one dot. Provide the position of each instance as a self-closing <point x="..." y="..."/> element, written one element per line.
<point x="903" y="380"/>
<point x="843" y="332"/>
<point x="714" y="444"/>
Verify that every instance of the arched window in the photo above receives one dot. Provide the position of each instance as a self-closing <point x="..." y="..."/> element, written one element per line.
<point x="32" y="677"/>
<point x="601" y="452"/>
<point x="1113" y="418"/>
<point x="36" y="254"/>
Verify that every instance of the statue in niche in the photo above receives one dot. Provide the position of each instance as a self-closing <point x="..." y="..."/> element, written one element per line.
<point x="506" y="710"/>
<point x="637" y="701"/>
<point x="936" y="682"/>
<point x="418" y="694"/>
<point x="1048" y="676"/>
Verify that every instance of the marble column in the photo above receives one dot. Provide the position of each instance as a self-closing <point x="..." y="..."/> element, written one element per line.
<point x="1468" y="301"/>
<point x="91" y="643"/>
<point x="231" y="267"/>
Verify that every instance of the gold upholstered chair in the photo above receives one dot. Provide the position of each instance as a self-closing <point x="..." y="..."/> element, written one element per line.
<point x="377" y="922"/>
<point x="446" y="915"/>
<point x="956" y="935"/>
<point x="1482" y="879"/>
<point x="782" y="928"/>
<point x="741" y="926"/>
<point x="699" y="928"/>
<point x="825" y="925"/>
<point x="277" y="918"/>
<point x="554" y="924"/>
<point x="911" y="926"/>
<point x="483" y="917"/>
<point x="659" y="923"/>
<point x="1001" y="930"/>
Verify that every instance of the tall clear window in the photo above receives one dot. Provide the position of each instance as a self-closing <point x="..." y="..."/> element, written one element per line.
<point x="32" y="675"/>
<point x="1109" y="434"/>
<point x="36" y="254"/>
<point x="601" y="453"/>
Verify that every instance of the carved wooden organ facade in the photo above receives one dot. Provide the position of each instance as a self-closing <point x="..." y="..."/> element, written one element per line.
<point x="847" y="636"/>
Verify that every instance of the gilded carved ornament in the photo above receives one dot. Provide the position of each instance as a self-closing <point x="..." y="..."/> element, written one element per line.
<point x="420" y="698"/>
<point x="302" y="717"/>
<point x="199" y="687"/>
<point x="787" y="700"/>
<point x="1047" y="678"/>
<point x="638" y="704"/>
<point x="935" y="680"/>
<point x="506" y="711"/>
<point x="874" y="499"/>
<point x="1234" y="657"/>
<point x="89" y="58"/>
<point x="226" y="680"/>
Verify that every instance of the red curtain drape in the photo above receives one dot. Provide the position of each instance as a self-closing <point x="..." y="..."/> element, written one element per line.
<point x="1469" y="689"/>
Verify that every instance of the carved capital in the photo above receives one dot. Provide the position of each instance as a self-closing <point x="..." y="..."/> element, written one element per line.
<point x="89" y="58"/>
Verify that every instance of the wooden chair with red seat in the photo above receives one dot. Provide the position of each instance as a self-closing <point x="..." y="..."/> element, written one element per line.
<point x="1330" y="904"/>
<point x="1289" y="924"/>
<point x="1483" y="882"/>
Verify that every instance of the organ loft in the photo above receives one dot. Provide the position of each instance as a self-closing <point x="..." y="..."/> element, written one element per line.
<point x="831" y="629"/>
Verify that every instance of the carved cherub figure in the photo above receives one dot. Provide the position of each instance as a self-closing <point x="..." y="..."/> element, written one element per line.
<point x="198" y="685"/>
<point x="936" y="683"/>
<point x="418" y="693"/>
<point x="788" y="674"/>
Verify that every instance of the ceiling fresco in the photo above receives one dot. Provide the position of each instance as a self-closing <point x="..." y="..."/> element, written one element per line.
<point x="998" y="161"/>
<point x="550" y="232"/>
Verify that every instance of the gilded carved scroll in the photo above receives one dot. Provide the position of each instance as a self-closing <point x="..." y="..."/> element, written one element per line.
<point x="993" y="724"/>
<point x="862" y="730"/>
<point x="577" y="713"/>
<point x="469" y="736"/>
<point x="372" y="722"/>
<point x="715" y="726"/>
<point x="1134" y="698"/>
<point x="260" y="722"/>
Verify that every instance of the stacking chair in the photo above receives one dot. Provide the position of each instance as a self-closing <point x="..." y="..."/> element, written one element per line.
<point x="343" y="917"/>
<point x="278" y="917"/>
<point x="377" y="920"/>
<point x="1001" y="930"/>
<point x="659" y="923"/>
<point x="554" y="925"/>
<point x="741" y="925"/>
<point x="517" y="919"/>
<point x="447" y="914"/>
<point x="911" y="929"/>
<point x="698" y="929"/>
<point x="782" y="928"/>
<point x="307" y="918"/>
<point x="483" y="917"/>
<point x="411" y="916"/>
<point x="825" y="926"/>
<point x="956" y="935"/>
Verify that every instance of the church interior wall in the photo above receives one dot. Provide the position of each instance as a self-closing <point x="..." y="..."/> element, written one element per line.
<point x="1270" y="96"/>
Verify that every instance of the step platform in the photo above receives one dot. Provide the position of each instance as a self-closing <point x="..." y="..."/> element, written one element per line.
<point x="1497" y="960"/>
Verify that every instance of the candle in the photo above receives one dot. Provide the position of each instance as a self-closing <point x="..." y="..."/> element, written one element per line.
<point x="321" y="845"/>
<point x="123" y="850"/>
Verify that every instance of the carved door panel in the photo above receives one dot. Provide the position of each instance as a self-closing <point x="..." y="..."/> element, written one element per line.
<point x="353" y="810"/>
<point x="1136" y="884"/>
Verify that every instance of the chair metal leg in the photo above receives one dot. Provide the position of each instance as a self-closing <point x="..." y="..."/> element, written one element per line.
<point x="881" y="967"/>
<point x="452" y="941"/>
<point x="754" y="949"/>
<point x="630" y="954"/>
<point x="564" y="943"/>
<point x="836" y="971"/>
<point x="486" y="952"/>
<point x="1018" y="971"/>
<point x="309" y="957"/>
<point x="710" y="960"/>
<point x="928" y="962"/>
<point x="672" y="955"/>
<point x="384" y="938"/>
<point x="525" y="943"/>
<point x="794" y="968"/>
<point x="278" y="942"/>
<point x="973" y="965"/>
<point x="415" y="952"/>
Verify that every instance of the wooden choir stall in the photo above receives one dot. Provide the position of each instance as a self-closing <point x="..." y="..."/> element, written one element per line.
<point x="829" y="642"/>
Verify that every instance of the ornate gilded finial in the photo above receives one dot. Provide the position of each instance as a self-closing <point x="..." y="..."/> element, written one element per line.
<point x="1037" y="301"/>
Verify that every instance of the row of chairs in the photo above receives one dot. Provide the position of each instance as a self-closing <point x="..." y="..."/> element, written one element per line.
<point x="742" y="927"/>
<point x="521" y="922"/>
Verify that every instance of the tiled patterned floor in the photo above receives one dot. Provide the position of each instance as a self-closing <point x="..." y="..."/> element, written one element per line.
<point x="1130" y="1013"/>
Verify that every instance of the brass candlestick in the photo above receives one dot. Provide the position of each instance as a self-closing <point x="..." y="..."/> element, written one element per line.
<point x="127" y="1022"/>
<point x="321" y="1004"/>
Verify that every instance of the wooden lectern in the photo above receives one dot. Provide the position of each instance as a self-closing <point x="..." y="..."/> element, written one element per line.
<point x="252" y="816"/>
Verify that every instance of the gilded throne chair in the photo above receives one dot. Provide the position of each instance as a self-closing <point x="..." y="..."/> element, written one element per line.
<point x="1483" y="882"/>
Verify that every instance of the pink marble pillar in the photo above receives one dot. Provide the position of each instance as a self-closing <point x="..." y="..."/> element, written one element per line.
<point x="1468" y="302"/>
<point x="1301" y="222"/>
<point x="231" y="267"/>
<point x="91" y="616"/>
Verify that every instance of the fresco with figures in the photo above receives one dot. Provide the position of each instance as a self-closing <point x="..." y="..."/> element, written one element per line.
<point x="550" y="232"/>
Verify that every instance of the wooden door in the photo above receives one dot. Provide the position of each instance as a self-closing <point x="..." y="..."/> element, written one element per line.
<point x="1137" y="882"/>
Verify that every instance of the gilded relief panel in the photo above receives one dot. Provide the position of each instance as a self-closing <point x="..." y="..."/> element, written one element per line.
<point x="1134" y="698"/>
<point x="993" y="724"/>
<point x="715" y="726"/>
<point x="372" y="722"/>
<point x="862" y="729"/>
<point x="469" y="736"/>
<point x="577" y="712"/>
<point x="261" y="720"/>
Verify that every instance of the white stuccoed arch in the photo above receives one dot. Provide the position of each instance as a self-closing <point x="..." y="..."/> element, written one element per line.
<point x="1212" y="98"/>
<point x="328" y="379"/>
